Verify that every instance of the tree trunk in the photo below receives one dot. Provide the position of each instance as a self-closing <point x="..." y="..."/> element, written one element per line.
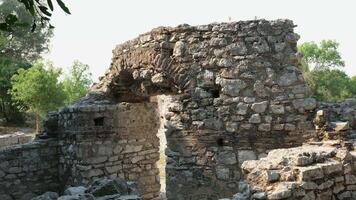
<point x="38" y="118"/>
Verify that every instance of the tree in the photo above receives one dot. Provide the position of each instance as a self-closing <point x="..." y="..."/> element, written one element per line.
<point x="330" y="85"/>
<point x="38" y="88"/>
<point x="77" y="82"/>
<point x="39" y="10"/>
<point x="18" y="49"/>
<point x="321" y="66"/>
<point x="20" y="43"/>
<point x="353" y="86"/>
<point x="322" y="56"/>
<point x="8" y="108"/>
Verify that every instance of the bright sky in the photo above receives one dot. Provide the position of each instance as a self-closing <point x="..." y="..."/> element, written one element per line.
<point x="97" y="26"/>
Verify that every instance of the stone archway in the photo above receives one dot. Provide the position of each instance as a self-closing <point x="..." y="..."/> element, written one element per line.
<point x="239" y="93"/>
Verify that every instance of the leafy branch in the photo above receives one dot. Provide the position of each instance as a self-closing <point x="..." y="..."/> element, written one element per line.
<point x="40" y="10"/>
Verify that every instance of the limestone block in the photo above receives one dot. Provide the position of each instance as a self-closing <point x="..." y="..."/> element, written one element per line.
<point x="259" y="107"/>
<point x="97" y="160"/>
<point x="238" y="48"/>
<point x="278" y="127"/>
<point x="232" y="126"/>
<point x="91" y="173"/>
<point x="241" y="108"/>
<point x="350" y="179"/>
<point x="331" y="168"/>
<point x="264" y="127"/>
<point x="309" y="185"/>
<point x="206" y="79"/>
<point x="261" y="46"/>
<point x="113" y="169"/>
<point x="14" y="170"/>
<point x="227" y="158"/>
<point x="75" y="190"/>
<point x="309" y="103"/>
<point x="130" y="148"/>
<point x="340" y="126"/>
<point x="218" y="42"/>
<point x="244" y="155"/>
<point x="338" y="188"/>
<point x="231" y="87"/>
<point x="289" y="127"/>
<point x="277" y="109"/>
<point x="325" y="185"/>
<point x="260" y="89"/>
<point x="179" y="49"/>
<point x="288" y="78"/>
<point x="259" y="196"/>
<point x="222" y="173"/>
<point x="310" y="173"/>
<point x="272" y="175"/>
<point x="281" y="192"/>
<point x="246" y="126"/>
<point x="255" y="119"/>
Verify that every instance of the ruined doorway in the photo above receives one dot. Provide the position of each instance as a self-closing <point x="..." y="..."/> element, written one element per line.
<point x="164" y="103"/>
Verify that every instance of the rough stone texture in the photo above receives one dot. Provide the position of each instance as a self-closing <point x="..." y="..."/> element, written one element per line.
<point x="314" y="171"/>
<point x="220" y="72"/>
<point x="124" y="145"/>
<point x="238" y="93"/>
<point x="29" y="169"/>
<point x="336" y="120"/>
<point x="101" y="189"/>
<point x="8" y="140"/>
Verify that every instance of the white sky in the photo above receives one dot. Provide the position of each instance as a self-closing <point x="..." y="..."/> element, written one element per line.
<point x="97" y="26"/>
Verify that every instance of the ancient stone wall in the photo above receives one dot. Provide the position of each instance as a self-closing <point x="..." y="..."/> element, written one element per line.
<point x="7" y="140"/>
<point x="340" y="112"/>
<point x="111" y="140"/>
<point x="29" y="170"/>
<point x="239" y="93"/>
<point x="315" y="171"/>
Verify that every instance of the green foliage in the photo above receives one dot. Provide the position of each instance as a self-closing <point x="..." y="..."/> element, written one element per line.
<point x="18" y="49"/>
<point x="330" y="85"/>
<point x="321" y="68"/>
<point x="39" y="11"/>
<point x="322" y="56"/>
<point x="76" y="83"/>
<point x="20" y="43"/>
<point x="353" y="86"/>
<point x="38" y="88"/>
<point x="8" y="108"/>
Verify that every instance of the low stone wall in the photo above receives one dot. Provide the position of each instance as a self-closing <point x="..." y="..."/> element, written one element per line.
<point x="28" y="170"/>
<point x="342" y="111"/>
<point x="318" y="171"/>
<point x="113" y="141"/>
<point x="13" y="139"/>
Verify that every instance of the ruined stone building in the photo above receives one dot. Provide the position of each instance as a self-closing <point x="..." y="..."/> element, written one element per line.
<point x="220" y="94"/>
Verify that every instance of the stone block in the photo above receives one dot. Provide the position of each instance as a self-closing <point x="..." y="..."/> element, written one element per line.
<point x="227" y="158"/>
<point x="255" y="119"/>
<point x="310" y="173"/>
<point x="264" y="127"/>
<point x="222" y="173"/>
<point x="244" y="155"/>
<point x="259" y="107"/>
<point x="277" y="109"/>
<point x="272" y="175"/>
<point x="350" y="179"/>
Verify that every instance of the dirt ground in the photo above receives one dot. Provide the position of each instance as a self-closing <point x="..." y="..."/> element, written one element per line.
<point x="12" y="129"/>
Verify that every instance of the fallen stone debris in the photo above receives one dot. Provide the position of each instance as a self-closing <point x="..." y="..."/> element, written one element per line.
<point x="101" y="189"/>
